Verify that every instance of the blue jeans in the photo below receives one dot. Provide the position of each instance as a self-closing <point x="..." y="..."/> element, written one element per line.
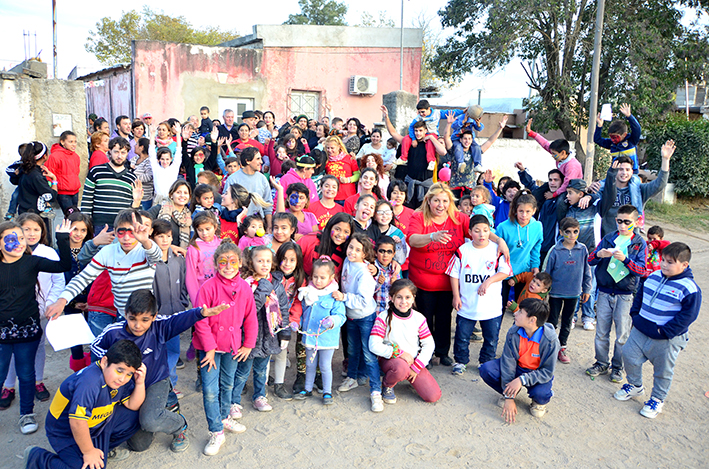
<point x="173" y="354"/>
<point x="612" y="309"/>
<point x="490" y="373"/>
<point x="217" y="386"/>
<point x="358" y="331"/>
<point x="24" y="353"/>
<point x="98" y="322"/>
<point x="587" y="311"/>
<point x="12" y="209"/>
<point x="146" y="204"/>
<point x="67" y="201"/>
<point x="260" y="368"/>
<point x="464" y="329"/>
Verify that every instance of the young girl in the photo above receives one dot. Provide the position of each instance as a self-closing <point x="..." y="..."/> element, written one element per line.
<point x="272" y="314"/>
<point x="503" y="201"/>
<point x="285" y="227"/>
<point x="279" y="156"/>
<point x="374" y="161"/>
<point x="290" y="271"/>
<point x="358" y="294"/>
<point x="200" y="253"/>
<point x="400" y="337"/>
<point x="298" y="200"/>
<point x="368" y="181"/>
<point x="364" y="211"/>
<point x="219" y="338"/>
<point x="165" y="165"/>
<point x="234" y="203"/>
<point x="480" y="199"/>
<point x="341" y="165"/>
<point x="203" y="200"/>
<point x="326" y="207"/>
<point x="251" y="232"/>
<point x="20" y="329"/>
<point x="397" y="196"/>
<point x="49" y="287"/>
<point x="384" y="225"/>
<point x="523" y="235"/>
<point x="322" y="319"/>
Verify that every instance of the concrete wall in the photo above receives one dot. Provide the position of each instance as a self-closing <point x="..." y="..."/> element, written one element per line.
<point x="502" y="156"/>
<point x="28" y="105"/>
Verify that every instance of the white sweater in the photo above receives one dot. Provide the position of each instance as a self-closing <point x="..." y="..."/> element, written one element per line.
<point x="410" y="334"/>
<point x="50" y="285"/>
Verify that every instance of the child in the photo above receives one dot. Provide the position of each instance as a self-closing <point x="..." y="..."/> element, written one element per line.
<point x="358" y="294"/>
<point x="503" y="201"/>
<point x="565" y="162"/>
<point x="532" y="286"/>
<point x="225" y="340"/>
<point x="571" y="278"/>
<point x="475" y="273"/>
<point x="655" y="246"/>
<point x="465" y="204"/>
<point x="322" y="318"/>
<point x="528" y="359"/>
<point x="272" y="313"/>
<point x="389" y="154"/>
<point x="165" y="165"/>
<point x="20" y="327"/>
<point x="205" y="126"/>
<point x="404" y="345"/>
<point x="364" y="210"/>
<point x="235" y="201"/>
<point x="663" y="309"/>
<point x="388" y="271"/>
<point x="297" y="201"/>
<point x="383" y="226"/>
<point x="94" y="411"/>
<point x="285" y="228"/>
<point x="480" y="200"/>
<point x="368" y="185"/>
<point x="619" y="141"/>
<point x="326" y="207"/>
<point x="251" y="232"/>
<point x="619" y="259"/>
<point x="200" y="253"/>
<point x="343" y="166"/>
<point x="203" y="200"/>
<point x="431" y="119"/>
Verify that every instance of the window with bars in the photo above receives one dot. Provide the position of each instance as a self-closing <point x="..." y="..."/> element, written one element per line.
<point x="304" y="102"/>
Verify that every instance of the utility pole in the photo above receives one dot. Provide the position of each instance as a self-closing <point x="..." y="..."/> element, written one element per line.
<point x="54" y="27"/>
<point x="590" y="149"/>
<point x="401" y="52"/>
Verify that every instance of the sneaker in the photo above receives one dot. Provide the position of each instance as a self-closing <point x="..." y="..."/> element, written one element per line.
<point x="119" y="453"/>
<point x="628" y="391"/>
<point x="458" y="369"/>
<point x="479" y="168"/>
<point x="327" y="399"/>
<point x="299" y="384"/>
<point x="446" y="360"/>
<point x="280" y="391"/>
<point x="475" y="337"/>
<point x="303" y="395"/>
<point x="652" y="408"/>
<point x="28" y="424"/>
<point x="261" y="404"/>
<point x="216" y="440"/>
<point x="178" y="394"/>
<point x="538" y="410"/>
<point x="174" y="408"/>
<point x="318" y="383"/>
<point x="180" y="442"/>
<point x="233" y="426"/>
<point x="388" y="396"/>
<point x="377" y="403"/>
<point x="573" y="323"/>
<point x="431" y="166"/>
<point x="461" y="167"/>
<point x="348" y="385"/>
<point x="235" y="411"/>
<point x="9" y="216"/>
<point x="41" y="393"/>
<point x="563" y="356"/>
<point x="180" y="364"/>
<point x="588" y="326"/>
<point x="399" y="162"/>
<point x="362" y="381"/>
<point x="597" y="369"/>
<point x="616" y="376"/>
<point x="8" y="395"/>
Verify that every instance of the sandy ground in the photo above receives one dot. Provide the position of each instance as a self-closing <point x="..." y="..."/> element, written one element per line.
<point x="584" y="427"/>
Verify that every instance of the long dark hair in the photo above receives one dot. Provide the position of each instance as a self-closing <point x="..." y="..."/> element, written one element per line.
<point x="375" y="189"/>
<point x="396" y="287"/>
<point x="30" y="153"/>
<point x="299" y="273"/>
<point x="523" y="197"/>
<point x="327" y="247"/>
<point x="33" y="217"/>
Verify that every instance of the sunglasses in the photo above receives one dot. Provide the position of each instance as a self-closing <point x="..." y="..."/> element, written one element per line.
<point x="620" y="221"/>
<point x="121" y="232"/>
<point x="385" y="251"/>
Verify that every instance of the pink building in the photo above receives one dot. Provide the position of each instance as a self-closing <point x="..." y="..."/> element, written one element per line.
<point x="288" y="69"/>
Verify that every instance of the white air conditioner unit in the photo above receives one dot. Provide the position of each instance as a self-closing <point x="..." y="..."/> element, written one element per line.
<point x="360" y="85"/>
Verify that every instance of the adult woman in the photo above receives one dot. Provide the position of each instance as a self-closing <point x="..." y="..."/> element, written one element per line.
<point x="321" y="132"/>
<point x="270" y="119"/>
<point x="164" y="137"/>
<point x="99" y="148"/>
<point x="367" y="185"/>
<point x="351" y="140"/>
<point x="64" y="163"/>
<point x="332" y="242"/>
<point x="176" y="211"/>
<point x="142" y="168"/>
<point x="138" y="129"/>
<point x="374" y="147"/>
<point x="35" y="193"/>
<point x="245" y="139"/>
<point x="375" y="162"/>
<point x="326" y="207"/>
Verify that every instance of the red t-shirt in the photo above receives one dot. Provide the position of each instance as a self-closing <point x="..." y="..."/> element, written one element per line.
<point x="230" y="229"/>
<point x="403" y="220"/>
<point x="343" y="168"/>
<point x="308" y="244"/>
<point x="97" y="157"/>
<point x="322" y="213"/>
<point x="351" y="201"/>
<point x="427" y="265"/>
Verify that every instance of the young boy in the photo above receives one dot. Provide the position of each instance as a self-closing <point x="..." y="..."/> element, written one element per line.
<point x="151" y="334"/>
<point x="476" y="271"/>
<point x="528" y="360"/>
<point x="662" y="312"/>
<point x="619" y="260"/>
<point x="91" y="412"/>
<point x="465" y="205"/>
<point x="655" y="245"/>
<point x="565" y="162"/>
<point x="430" y="119"/>
<point x="388" y="273"/>
<point x="205" y="127"/>
<point x="571" y="279"/>
<point x="619" y="141"/>
<point x="536" y="286"/>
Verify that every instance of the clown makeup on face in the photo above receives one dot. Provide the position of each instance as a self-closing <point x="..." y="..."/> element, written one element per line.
<point x="228" y="265"/>
<point x="13" y="245"/>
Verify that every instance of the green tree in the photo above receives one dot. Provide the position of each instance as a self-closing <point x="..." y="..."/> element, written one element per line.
<point x="383" y="21"/>
<point x="111" y="42"/>
<point x="644" y="44"/>
<point x="319" y="12"/>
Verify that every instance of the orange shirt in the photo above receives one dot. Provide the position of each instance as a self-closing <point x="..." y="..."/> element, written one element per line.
<point x="529" y="356"/>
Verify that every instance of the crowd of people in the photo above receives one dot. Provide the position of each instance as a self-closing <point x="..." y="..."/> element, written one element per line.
<point x="254" y="236"/>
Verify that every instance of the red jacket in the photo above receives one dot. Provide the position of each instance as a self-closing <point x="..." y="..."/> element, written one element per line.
<point x="101" y="296"/>
<point x="65" y="165"/>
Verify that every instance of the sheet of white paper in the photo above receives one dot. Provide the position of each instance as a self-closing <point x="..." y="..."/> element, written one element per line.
<point x="607" y="112"/>
<point x="67" y="331"/>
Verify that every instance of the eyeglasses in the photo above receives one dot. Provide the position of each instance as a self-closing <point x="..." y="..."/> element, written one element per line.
<point x="385" y="251"/>
<point x="121" y="232"/>
<point x="620" y="221"/>
<point x="225" y="263"/>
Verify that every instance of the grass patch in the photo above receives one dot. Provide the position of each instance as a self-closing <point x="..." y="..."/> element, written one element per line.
<point x="689" y="213"/>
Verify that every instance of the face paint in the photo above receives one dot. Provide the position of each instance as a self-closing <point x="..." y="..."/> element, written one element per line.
<point x="294" y="198"/>
<point x="616" y="139"/>
<point x="11" y="242"/>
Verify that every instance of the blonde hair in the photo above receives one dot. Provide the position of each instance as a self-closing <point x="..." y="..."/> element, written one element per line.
<point x="437" y="189"/>
<point x="96" y="138"/>
<point x="337" y="141"/>
<point x="482" y="190"/>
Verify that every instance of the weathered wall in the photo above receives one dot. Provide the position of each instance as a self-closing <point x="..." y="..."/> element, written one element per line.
<point x="28" y="105"/>
<point x="110" y="95"/>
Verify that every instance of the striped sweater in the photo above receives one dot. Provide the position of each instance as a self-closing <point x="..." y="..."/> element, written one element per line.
<point x="106" y="193"/>
<point x="410" y="334"/>
<point x="129" y="271"/>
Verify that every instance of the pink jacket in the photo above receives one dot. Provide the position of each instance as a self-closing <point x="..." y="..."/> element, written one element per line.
<point x="199" y="266"/>
<point x="292" y="176"/>
<point x="570" y="167"/>
<point x="223" y="331"/>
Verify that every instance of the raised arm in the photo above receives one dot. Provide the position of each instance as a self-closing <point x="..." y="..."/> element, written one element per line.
<point x="390" y="128"/>
<point x="488" y="143"/>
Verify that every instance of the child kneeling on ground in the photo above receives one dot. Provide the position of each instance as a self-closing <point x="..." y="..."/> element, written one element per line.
<point x="528" y="360"/>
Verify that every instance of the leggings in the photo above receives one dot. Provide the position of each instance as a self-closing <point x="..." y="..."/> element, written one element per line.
<point x="565" y="307"/>
<point x="279" y="366"/>
<point x="324" y="359"/>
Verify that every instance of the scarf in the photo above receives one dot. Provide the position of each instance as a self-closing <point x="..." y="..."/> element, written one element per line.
<point x="183" y="218"/>
<point x="230" y="215"/>
<point x="339" y="157"/>
<point x="309" y="294"/>
<point x="163" y="143"/>
<point x="273" y="311"/>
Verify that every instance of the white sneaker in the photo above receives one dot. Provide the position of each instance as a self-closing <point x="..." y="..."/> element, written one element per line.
<point x="233" y="426"/>
<point x="461" y="167"/>
<point x="216" y="440"/>
<point x="178" y="394"/>
<point x="347" y="385"/>
<point x="652" y="408"/>
<point x="573" y="323"/>
<point x="431" y="166"/>
<point x="538" y="410"/>
<point x="400" y="162"/>
<point x="588" y="326"/>
<point x="377" y="402"/>
<point x="235" y="411"/>
<point x="628" y="391"/>
<point x="28" y="424"/>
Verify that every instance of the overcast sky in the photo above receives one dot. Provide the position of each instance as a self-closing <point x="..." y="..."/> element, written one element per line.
<point x="76" y="18"/>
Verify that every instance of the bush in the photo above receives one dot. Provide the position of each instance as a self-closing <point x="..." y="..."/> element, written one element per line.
<point x="601" y="163"/>
<point x="689" y="166"/>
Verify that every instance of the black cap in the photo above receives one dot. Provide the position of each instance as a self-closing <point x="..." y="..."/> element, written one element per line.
<point x="248" y="115"/>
